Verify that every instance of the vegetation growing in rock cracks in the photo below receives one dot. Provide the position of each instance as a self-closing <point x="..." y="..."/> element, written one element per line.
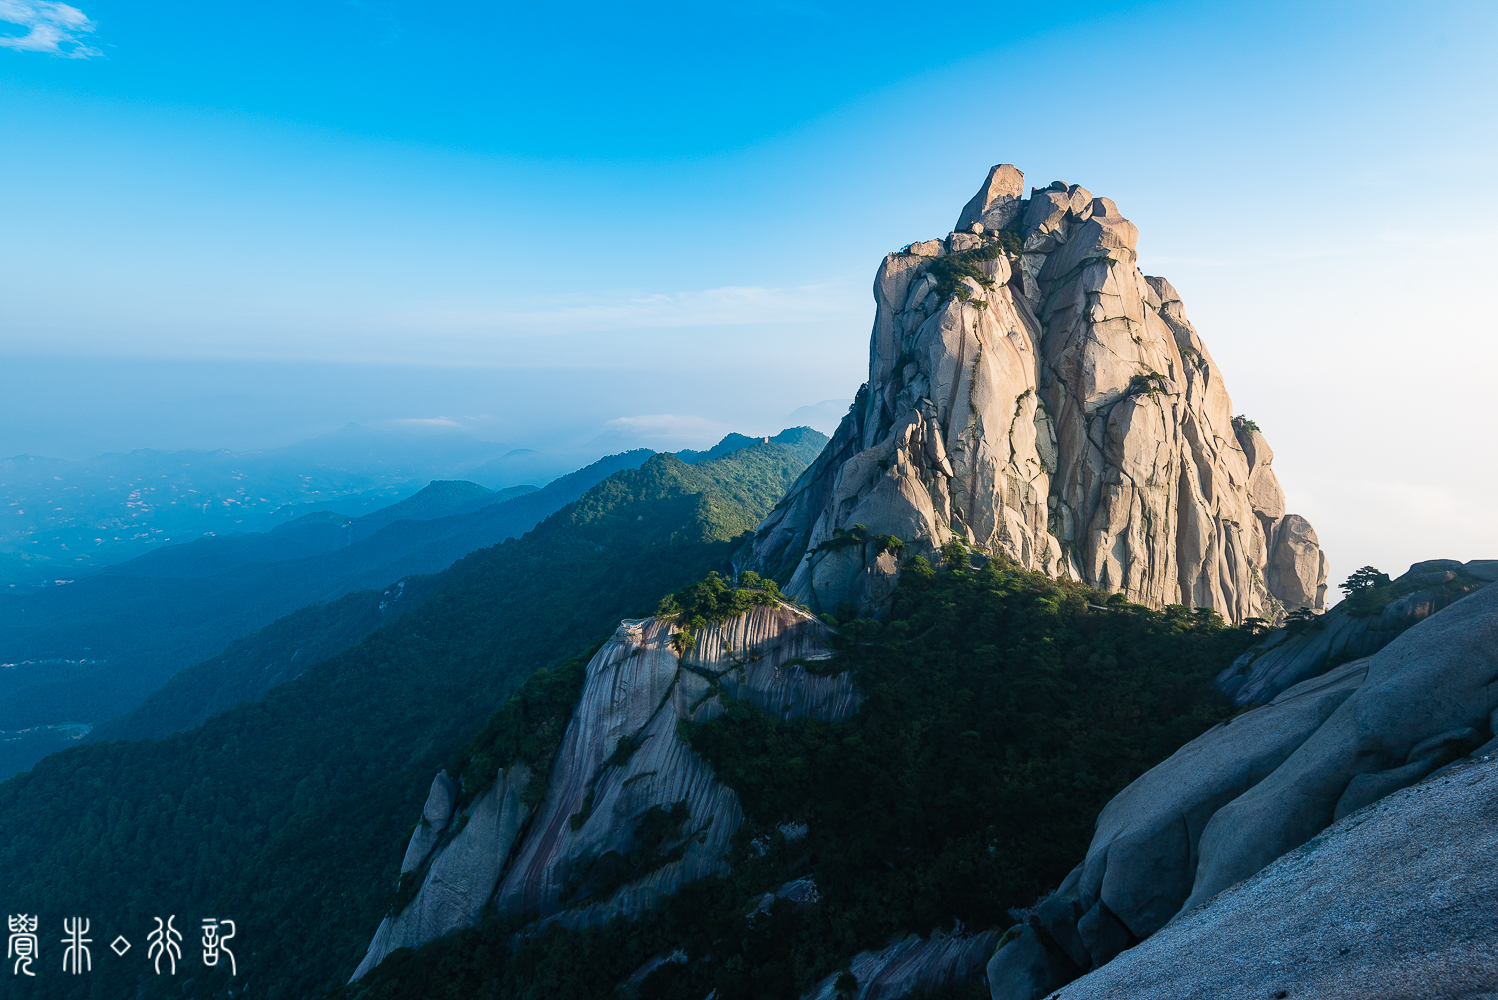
<point x="1003" y="709"/>
<point x="1369" y="591"/>
<point x="950" y="269"/>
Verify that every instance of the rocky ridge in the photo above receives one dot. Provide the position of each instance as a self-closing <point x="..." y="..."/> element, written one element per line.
<point x="1169" y="849"/>
<point x="1351" y="630"/>
<point x="1032" y="394"/>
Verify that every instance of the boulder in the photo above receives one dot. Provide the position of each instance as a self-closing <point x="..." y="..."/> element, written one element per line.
<point x="1297" y="568"/>
<point x="1287" y="656"/>
<point x="1143" y="857"/>
<point x="1024" y="968"/>
<point x="1335" y="751"/>
<point x="1440" y="676"/>
<point x="997" y="201"/>
<point x="1483" y="569"/>
<point x="962" y="242"/>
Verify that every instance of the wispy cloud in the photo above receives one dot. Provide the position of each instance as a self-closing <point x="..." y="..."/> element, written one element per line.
<point x="427" y="423"/>
<point x="728" y="306"/>
<point x="672" y="426"/>
<point x="53" y="28"/>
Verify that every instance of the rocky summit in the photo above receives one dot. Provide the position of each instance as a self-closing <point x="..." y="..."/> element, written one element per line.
<point x="1032" y="394"/>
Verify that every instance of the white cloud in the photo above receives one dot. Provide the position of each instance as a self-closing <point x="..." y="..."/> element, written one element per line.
<point x="53" y="28"/>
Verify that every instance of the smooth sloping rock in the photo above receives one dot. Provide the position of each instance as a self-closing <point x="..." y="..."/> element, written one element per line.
<point x="1143" y="857"/>
<point x="1439" y="676"/>
<point x="1398" y="901"/>
<point x="913" y="962"/>
<point x="1267" y="781"/>
<point x="1058" y="916"/>
<point x="638" y="690"/>
<point x="1287" y="656"/>
<point x="462" y="875"/>
<point x="1483" y="569"/>
<point x="1055" y="407"/>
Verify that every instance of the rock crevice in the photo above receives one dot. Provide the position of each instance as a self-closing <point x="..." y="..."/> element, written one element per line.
<point x="1032" y="394"/>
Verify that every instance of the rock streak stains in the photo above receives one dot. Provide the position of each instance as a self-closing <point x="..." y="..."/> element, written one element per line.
<point x="1121" y="465"/>
<point x="636" y="690"/>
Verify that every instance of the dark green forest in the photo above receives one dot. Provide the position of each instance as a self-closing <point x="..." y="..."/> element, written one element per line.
<point x="290" y="814"/>
<point x="1003" y="709"/>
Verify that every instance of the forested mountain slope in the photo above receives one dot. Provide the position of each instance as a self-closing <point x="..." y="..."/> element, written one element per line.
<point x="253" y="664"/>
<point x="996" y="712"/>
<point x="93" y="650"/>
<point x="312" y="534"/>
<point x="288" y="814"/>
<point x="67" y="519"/>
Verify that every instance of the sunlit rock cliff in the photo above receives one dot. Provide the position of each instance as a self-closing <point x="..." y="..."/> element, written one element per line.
<point x="1033" y="394"/>
<point x="619" y="760"/>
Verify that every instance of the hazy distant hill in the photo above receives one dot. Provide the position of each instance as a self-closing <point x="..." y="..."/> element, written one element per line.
<point x="62" y="520"/>
<point x="255" y="663"/>
<point x="93" y="650"/>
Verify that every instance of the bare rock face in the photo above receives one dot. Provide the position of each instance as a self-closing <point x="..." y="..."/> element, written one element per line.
<point x="1032" y="394"/>
<point x="1403" y="894"/>
<point x="1288" y="656"/>
<point x="997" y="202"/>
<point x="460" y="876"/>
<point x="1268" y="783"/>
<point x="637" y="690"/>
<point x="912" y="964"/>
<point x="620" y="759"/>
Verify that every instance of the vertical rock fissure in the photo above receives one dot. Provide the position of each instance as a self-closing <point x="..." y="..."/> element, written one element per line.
<point x="1125" y="405"/>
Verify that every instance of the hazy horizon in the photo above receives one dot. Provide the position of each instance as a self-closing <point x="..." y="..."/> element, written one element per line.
<point x="123" y="405"/>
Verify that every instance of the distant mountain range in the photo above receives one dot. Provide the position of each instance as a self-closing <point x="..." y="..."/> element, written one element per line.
<point x="93" y="650"/>
<point x="61" y="521"/>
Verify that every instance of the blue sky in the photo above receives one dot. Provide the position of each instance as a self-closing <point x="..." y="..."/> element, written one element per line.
<point x="563" y="225"/>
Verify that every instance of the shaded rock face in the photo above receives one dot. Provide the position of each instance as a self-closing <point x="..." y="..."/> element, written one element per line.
<point x="913" y="963"/>
<point x="1288" y="656"/>
<point x="1403" y="895"/>
<point x="638" y="690"/>
<point x="461" y="875"/>
<point x="1267" y="782"/>
<point x="1033" y="394"/>
<point x="542" y="863"/>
